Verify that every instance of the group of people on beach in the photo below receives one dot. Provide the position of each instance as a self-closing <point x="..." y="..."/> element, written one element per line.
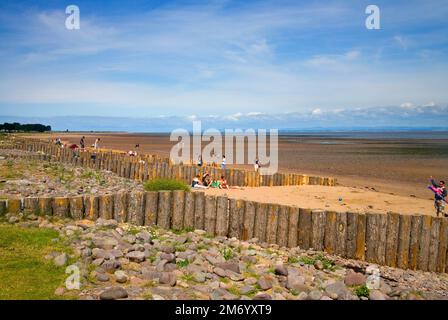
<point x="207" y="181"/>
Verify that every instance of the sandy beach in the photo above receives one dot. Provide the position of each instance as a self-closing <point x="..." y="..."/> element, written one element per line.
<point x="377" y="174"/>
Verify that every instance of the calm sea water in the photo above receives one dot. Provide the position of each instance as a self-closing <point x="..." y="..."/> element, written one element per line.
<point x="430" y="135"/>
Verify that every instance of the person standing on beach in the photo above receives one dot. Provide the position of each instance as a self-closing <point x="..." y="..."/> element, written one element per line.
<point x="96" y="145"/>
<point x="256" y="165"/>
<point x="82" y="143"/>
<point x="223" y="163"/>
<point x="439" y="196"/>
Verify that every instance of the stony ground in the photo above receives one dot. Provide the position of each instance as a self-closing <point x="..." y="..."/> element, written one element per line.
<point x="24" y="178"/>
<point x="119" y="261"/>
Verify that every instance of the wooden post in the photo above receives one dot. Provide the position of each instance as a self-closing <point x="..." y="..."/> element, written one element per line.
<point x="261" y="212"/>
<point x="414" y="244"/>
<point x="136" y="208"/>
<point x="318" y="229"/>
<point x="341" y="234"/>
<point x="393" y="228"/>
<point x="61" y="207"/>
<point x="3" y="207"/>
<point x="361" y="238"/>
<point x="293" y="226"/>
<point x="272" y="223"/>
<point x="31" y="205"/>
<point x="121" y="206"/>
<point x="91" y="205"/>
<point x="404" y="236"/>
<point x="189" y="211"/>
<point x="151" y="207"/>
<point x="14" y="205"/>
<point x="76" y="207"/>
<point x="330" y="232"/>
<point x="164" y="209"/>
<point x="352" y="224"/>
<point x="199" y="207"/>
<point x="425" y="238"/>
<point x="106" y="206"/>
<point x="248" y="221"/>
<point x="372" y="236"/>
<point x="443" y="245"/>
<point x="382" y="234"/>
<point x="210" y="214"/>
<point x="178" y="209"/>
<point x="304" y="229"/>
<point x="236" y="218"/>
<point x="45" y="206"/>
<point x="283" y="226"/>
<point x="222" y="216"/>
<point x="434" y="243"/>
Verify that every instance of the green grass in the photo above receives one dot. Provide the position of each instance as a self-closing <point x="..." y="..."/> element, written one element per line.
<point x="327" y="264"/>
<point x="292" y="259"/>
<point x="227" y="253"/>
<point x="24" y="272"/>
<point x="362" y="291"/>
<point x="182" y="263"/>
<point x="165" y="184"/>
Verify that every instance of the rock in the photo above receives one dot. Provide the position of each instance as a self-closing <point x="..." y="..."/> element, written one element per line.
<point x="232" y="266"/>
<point x="302" y="296"/>
<point x="220" y="272"/>
<point x="199" y="277"/>
<point x="281" y="270"/>
<point x="296" y="282"/>
<point x="318" y="265"/>
<point x="111" y="265"/>
<point x="169" y="257"/>
<point x="104" y="243"/>
<point x="262" y="296"/>
<point x="167" y="249"/>
<point x="315" y="295"/>
<point x="264" y="283"/>
<point x="136" y="256"/>
<point x="354" y="278"/>
<point x="61" y="260"/>
<point x="114" y="293"/>
<point x="246" y="289"/>
<point x="376" y="295"/>
<point x="121" y="276"/>
<point x="59" y="291"/>
<point x="337" y="289"/>
<point x="13" y="220"/>
<point x="130" y="238"/>
<point x="144" y="236"/>
<point x="100" y="253"/>
<point x="168" y="278"/>
<point x="102" y="277"/>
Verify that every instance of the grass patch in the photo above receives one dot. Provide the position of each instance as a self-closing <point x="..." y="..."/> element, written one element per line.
<point x="327" y="263"/>
<point x="182" y="263"/>
<point x="227" y="253"/>
<point x="24" y="271"/>
<point x="292" y="259"/>
<point x="165" y="184"/>
<point x="362" y="291"/>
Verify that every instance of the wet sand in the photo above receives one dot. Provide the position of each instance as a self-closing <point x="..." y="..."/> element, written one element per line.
<point x="399" y="166"/>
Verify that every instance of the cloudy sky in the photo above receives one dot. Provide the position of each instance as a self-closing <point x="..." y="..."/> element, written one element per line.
<point x="232" y="61"/>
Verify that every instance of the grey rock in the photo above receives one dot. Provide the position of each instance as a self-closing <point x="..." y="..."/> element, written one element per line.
<point x="376" y="295"/>
<point x="102" y="277"/>
<point x="337" y="289"/>
<point x="169" y="257"/>
<point x="168" y="278"/>
<point x="121" y="276"/>
<point x="262" y="296"/>
<point x="114" y="293"/>
<point x="144" y="236"/>
<point x="315" y="295"/>
<point x="199" y="277"/>
<point x="264" y="283"/>
<point x="354" y="278"/>
<point x="61" y="260"/>
<point x="232" y="266"/>
<point x="136" y="256"/>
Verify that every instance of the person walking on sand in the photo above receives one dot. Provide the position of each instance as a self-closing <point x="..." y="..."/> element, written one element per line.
<point x="256" y="165"/>
<point x="440" y="194"/>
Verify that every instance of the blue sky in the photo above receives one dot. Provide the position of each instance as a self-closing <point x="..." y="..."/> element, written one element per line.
<point x="235" y="60"/>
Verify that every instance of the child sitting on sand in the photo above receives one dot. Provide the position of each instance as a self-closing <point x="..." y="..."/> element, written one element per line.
<point x="214" y="183"/>
<point x="223" y="183"/>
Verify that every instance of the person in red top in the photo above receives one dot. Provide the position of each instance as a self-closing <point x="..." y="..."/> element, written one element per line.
<point x="223" y="183"/>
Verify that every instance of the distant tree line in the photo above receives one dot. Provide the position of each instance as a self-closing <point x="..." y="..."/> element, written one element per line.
<point x="36" y="127"/>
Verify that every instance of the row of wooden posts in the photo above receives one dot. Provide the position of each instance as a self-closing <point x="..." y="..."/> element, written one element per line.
<point x="404" y="241"/>
<point x="148" y="167"/>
